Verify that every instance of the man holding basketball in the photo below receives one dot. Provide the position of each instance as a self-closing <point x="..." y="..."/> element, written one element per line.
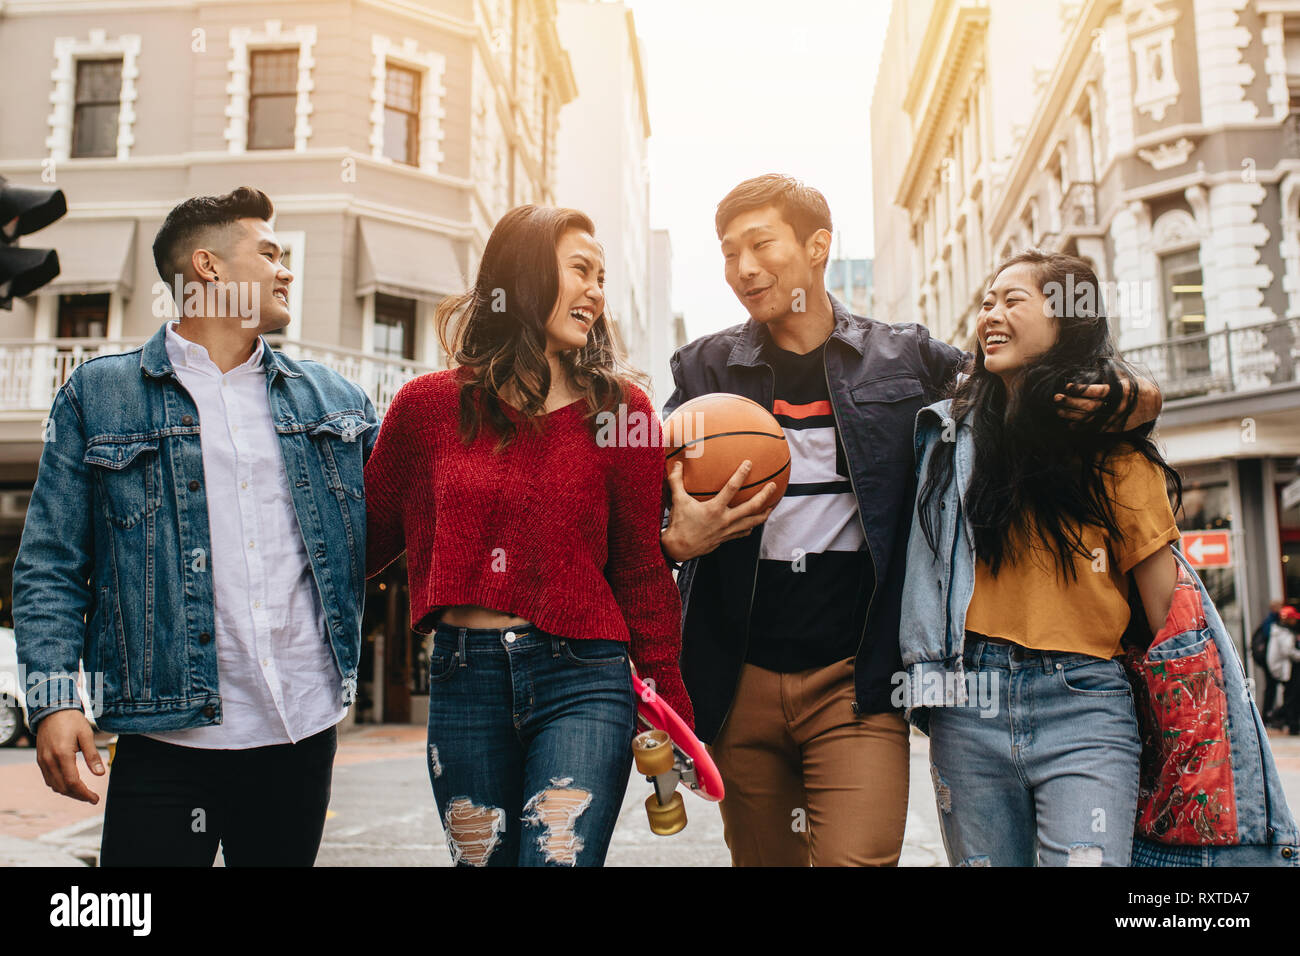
<point x="790" y="636"/>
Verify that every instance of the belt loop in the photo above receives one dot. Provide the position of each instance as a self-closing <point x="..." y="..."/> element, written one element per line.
<point x="556" y="643"/>
<point x="460" y="647"/>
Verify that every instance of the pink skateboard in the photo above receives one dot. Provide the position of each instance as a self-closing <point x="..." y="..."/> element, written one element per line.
<point x="668" y="753"/>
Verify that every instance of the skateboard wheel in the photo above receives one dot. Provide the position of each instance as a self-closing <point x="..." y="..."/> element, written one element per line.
<point x="653" y="751"/>
<point x="667" y="819"/>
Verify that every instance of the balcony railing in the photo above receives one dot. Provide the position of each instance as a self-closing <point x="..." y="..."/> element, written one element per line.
<point x="1231" y="360"/>
<point x="31" y="370"/>
<point x="380" y="375"/>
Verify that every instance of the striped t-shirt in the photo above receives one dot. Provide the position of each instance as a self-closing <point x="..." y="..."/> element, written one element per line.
<point x="814" y="572"/>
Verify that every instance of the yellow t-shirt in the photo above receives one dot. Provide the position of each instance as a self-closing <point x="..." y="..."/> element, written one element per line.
<point x="1034" y="606"/>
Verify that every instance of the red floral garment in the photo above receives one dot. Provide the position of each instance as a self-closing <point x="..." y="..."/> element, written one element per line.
<point x="1185" y="795"/>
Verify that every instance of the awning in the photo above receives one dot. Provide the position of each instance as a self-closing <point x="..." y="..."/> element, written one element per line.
<point x="95" y="255"/>
<point x="405" y="261"/>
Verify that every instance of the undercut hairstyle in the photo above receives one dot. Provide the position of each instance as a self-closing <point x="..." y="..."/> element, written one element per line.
<point x="803" y="207"/>
<point x="189" y="225"/>
<point x="1036" y="476"/>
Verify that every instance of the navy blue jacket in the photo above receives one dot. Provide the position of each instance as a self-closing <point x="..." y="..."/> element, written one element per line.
<point x="879" y="376"/>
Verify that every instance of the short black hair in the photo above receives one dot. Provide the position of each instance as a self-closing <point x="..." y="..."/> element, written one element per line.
<point x="803" y="207"/>
<point x="186" y="224"/>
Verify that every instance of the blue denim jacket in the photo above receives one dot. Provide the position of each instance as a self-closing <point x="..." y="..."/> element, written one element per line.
<point x="113" y="571"/>
<point x="937" y="592"/>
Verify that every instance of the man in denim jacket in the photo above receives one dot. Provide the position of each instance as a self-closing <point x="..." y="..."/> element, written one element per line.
<point x="194" y="542"/>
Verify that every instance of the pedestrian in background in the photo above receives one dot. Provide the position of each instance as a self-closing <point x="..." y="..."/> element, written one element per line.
<point x="1283" y="652"/>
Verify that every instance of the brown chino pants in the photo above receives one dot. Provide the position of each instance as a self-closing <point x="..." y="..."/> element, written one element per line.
<point x="808" y="781"/>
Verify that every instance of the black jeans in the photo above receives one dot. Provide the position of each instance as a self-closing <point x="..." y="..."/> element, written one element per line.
<point x="171" y="806"/>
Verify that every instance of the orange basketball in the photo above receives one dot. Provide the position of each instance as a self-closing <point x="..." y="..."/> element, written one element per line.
<point x="711" y="436"/>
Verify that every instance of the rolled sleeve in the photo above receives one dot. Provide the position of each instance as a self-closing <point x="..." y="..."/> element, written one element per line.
<point x="1142" y="510"/>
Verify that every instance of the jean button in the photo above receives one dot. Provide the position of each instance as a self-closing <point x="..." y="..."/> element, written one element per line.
<point x="510" y="637"/>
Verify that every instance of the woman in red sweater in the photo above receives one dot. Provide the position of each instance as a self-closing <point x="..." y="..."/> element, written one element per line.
<point x="532" y="542"/>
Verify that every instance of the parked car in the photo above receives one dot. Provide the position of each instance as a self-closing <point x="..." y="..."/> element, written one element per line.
<point x="12" y="726"/>
<point x="13" y="722"/>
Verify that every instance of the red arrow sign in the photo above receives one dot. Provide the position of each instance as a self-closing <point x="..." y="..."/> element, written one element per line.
<point x="1208" y="549"/>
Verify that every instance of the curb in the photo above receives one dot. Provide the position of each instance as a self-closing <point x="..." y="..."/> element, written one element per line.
<point x="16" y="852"/>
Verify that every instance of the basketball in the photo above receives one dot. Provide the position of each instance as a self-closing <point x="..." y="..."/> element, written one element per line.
<point x="711" y="436"/>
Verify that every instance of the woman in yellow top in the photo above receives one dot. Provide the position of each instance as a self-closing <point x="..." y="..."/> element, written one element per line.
<point x="1044" y="527"/>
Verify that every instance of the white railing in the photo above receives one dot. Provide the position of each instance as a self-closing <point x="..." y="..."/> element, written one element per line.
<point x="379" y="375"/>
<point x="31" y="370"/>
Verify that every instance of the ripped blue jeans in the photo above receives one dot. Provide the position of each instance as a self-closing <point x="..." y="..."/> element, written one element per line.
<point x="530" y="744"/>
<point x="1041" y="766"/>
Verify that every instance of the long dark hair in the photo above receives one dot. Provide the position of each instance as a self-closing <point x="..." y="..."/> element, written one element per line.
<point x="1034" y="473"/>
<point x="499" y="332"/>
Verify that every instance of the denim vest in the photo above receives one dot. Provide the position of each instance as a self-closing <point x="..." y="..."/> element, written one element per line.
<point x="937" y="593"/>
<point x="112" y="572"/>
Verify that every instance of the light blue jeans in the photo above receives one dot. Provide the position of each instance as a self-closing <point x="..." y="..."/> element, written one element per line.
<point x="1041" y="766"/>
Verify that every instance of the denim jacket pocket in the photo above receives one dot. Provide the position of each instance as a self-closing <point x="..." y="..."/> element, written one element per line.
<point x="127" y="470"/>
<point x="339" y="442"/>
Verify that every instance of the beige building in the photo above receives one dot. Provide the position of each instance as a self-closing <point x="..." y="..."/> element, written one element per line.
<point x="391" y="135"/>
<point x="1160" y="139"/>
<point x="602" y="158"/>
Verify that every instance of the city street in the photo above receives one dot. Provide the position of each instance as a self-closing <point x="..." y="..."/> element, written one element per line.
<point x="382" y="812"/>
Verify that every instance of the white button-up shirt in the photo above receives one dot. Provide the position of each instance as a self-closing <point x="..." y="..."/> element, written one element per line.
<point x="277" y="675"/>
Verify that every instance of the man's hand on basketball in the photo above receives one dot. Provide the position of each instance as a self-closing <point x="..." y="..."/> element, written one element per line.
<point x="697" y="527"/>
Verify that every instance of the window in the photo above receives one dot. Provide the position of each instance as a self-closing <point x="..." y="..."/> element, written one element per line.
<point x="83" y="316"/>
<point x="394" y="326"/>
<point x="98" y="104"/>
<point x="1184" y="302"/>
<point x="79" y="317"/>
<point x="402" y="115"/>
<point x="1184" y="294"/>
<point x="272" y="98"/>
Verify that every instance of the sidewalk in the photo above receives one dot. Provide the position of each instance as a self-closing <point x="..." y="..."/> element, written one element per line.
<point x="38" y="827"/>
<point x="382" y="811"/>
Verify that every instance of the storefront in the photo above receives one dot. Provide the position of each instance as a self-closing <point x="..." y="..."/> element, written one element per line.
<point x="393" y="671"/>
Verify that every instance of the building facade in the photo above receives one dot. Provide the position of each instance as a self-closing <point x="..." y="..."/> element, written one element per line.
<point x="602" y="149"/>
<point x="849" y="280"/>
<point x="390" y="134"/>
<point x="667" y="328"/>
<point x="1161" y="142"/>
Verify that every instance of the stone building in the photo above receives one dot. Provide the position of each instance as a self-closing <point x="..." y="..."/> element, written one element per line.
<point x="1160" y="141"/>
<point x="391" y="135"/>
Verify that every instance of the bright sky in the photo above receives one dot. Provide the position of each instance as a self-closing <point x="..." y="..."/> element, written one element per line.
<point x="743" y="87"/>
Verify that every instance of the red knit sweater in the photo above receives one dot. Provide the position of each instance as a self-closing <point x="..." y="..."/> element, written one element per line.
<point x="555" y="529"/>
